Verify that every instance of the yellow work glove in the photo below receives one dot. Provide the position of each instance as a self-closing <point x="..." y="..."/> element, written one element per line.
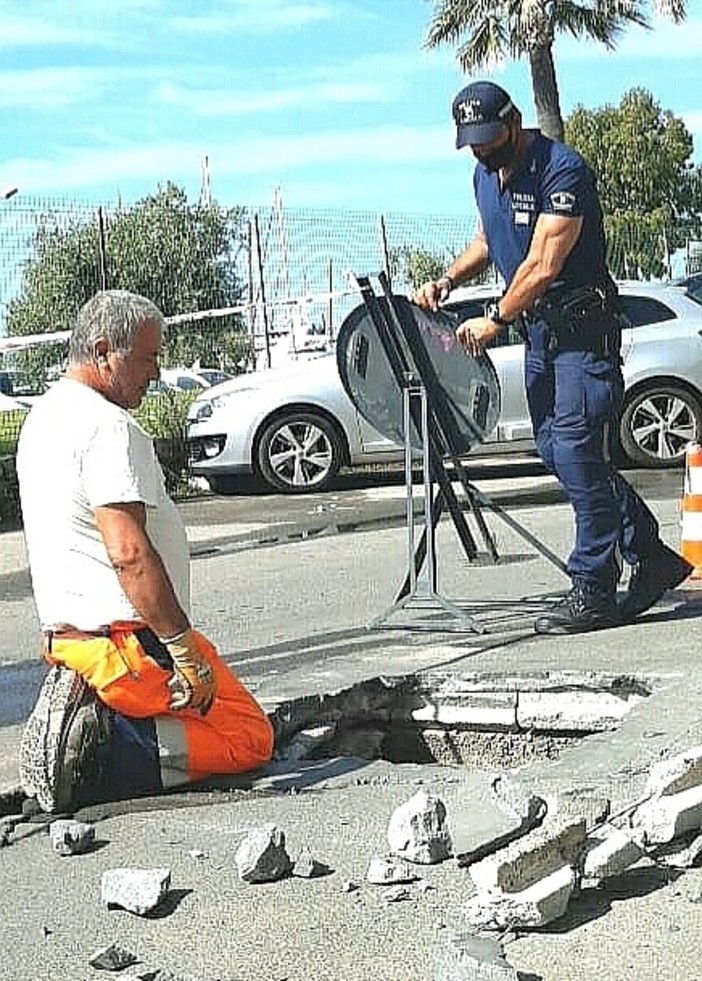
<point x="193" y="681"/>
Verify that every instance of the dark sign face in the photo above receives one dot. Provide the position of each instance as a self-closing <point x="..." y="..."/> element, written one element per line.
<point x="467" y="387"/>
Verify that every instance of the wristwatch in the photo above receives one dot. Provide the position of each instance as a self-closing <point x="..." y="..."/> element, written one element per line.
<point x="492" y="312"/>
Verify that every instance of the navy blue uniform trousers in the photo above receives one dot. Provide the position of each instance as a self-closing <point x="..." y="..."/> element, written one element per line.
<point x="574" y="400"/>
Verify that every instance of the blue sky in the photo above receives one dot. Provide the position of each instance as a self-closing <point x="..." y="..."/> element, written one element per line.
<point x="334" y="101"/>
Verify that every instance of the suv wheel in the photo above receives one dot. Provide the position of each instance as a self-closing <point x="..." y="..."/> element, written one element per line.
<point x="299" y="452"/>
<point x="657" y="424"/>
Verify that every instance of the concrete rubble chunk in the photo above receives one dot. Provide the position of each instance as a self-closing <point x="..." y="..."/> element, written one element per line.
<point x="662" y="819"/>
<point x="396" y="894"/>
<point x="307" y="867"/>
<point x="582" y="802"/>
<point x="451" y="706"/>
<point x="680" y="854"/>
<point x="542" y="903"/>
<point x="556" y="843"/>
<point x="418" y="830"/>
<point x="482" y="824"/>
<point x="69" y="837"/>
<point x="136" y="890"/>
<point x="674" y="775"/>
<point x="470" y="957"/>
<point x="385" y="871"/>
<point x="573" y="711"/>
<point x="609" y="852"/>
<point x="514" y="799"/>
<point x="261" y="856"/>
<point x="112" y="958"/>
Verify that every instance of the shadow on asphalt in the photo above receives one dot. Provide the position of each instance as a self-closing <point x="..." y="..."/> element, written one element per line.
<point x="596" y="902"/>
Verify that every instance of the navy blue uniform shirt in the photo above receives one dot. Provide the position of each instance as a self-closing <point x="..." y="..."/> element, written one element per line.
<point x="555" y="180"/>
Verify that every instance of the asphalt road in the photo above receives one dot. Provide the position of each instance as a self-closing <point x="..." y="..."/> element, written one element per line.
<point x="512" y="480"/>
<point x="263" y="585"/>
<point x="291" y="611"/>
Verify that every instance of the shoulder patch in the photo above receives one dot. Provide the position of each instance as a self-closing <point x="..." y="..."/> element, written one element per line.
<point x="562" y="201"/>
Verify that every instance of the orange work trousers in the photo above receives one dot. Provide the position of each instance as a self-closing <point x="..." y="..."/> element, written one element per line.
<point x="235" y="736"/>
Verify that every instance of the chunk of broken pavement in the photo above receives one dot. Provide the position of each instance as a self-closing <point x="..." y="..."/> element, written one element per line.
<point x="261" y="856"/>
<point x="307" y="867"/>
<point x="527" y="860"/>
<point x="112" y="958"/>
<point x="69" y="837"/>
<point x="136" y="890"/>
<point x="385" y="871"/>
<point x="539" y="904"/>
<point x="418" y="830"/>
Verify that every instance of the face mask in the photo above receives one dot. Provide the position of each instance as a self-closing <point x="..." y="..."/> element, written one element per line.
<point x="501" y="157"/>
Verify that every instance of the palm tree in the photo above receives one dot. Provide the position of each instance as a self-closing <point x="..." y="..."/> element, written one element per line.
<point x="500" y="29"/>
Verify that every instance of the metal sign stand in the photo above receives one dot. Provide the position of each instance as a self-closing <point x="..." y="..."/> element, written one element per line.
<point x="421" y="593"/>
<point x="425" y="410"/>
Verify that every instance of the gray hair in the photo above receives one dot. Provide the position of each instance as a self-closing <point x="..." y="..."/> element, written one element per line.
<point x="115" y="315"/>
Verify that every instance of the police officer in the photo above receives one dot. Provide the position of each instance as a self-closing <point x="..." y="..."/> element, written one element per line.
<point x="541" y="226"/>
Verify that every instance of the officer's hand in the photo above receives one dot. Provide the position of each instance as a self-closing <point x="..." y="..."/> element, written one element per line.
<point x="193" y="682"/>
<point x="431" y="294"/>
<point x="474" y="334"/>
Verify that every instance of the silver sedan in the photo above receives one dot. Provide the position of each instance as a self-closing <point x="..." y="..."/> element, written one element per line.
<point x="295" y="427"/>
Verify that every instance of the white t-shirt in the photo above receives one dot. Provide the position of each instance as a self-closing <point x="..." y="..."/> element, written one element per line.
<point x="76" y="452"/>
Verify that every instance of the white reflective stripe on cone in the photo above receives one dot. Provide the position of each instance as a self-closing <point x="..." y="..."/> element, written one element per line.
<point x="172" y="751"/>
<point x="692" y="526"/>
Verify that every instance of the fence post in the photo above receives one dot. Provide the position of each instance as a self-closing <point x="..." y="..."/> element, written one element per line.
<point x="386" y="253"/>
<point x="102" y="250"/>
<point x="251" y="315"/>
<point x="259" y="264"/>
<point x="330" y="306"/>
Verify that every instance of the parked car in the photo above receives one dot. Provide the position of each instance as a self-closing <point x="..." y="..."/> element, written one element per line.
<point x="19" y="385"/>
<point x="295" y="427"/>
<point x="192" y="379"/>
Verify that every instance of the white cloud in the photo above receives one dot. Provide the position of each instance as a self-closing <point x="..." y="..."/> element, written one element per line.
<point x="76" y="170"/>
<point x="226" y="102"/>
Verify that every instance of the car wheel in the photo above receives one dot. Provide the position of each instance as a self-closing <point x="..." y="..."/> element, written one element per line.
<point x="299" y="452"/>
<point x="657" y="424"/>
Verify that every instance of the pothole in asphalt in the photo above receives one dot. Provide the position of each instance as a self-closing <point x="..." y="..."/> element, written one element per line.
<point x="478" y="720"/>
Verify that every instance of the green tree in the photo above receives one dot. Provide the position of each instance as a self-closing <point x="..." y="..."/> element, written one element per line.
<point x="410" y="267"/>
<point x="180" y="255"/>
<point x="495" y="30"/>
<point x="651" y="192"/>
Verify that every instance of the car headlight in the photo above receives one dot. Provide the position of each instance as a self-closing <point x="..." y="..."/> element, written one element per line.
<point x="200" y="411"/>
<point x="203" y="409"/>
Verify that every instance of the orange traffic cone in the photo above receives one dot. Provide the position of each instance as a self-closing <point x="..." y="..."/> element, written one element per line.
<point x="691" y="534"/>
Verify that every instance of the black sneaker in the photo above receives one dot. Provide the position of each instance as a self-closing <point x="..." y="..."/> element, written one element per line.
<point x="58" y="751"/>
<point x="585" y="608"/>
<point x="651" y="578"/>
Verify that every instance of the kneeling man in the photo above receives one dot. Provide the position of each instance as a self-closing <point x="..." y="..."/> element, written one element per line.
<point x="135" y="700"/>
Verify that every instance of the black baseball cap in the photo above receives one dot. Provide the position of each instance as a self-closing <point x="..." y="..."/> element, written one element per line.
<point x="479" y="112"/>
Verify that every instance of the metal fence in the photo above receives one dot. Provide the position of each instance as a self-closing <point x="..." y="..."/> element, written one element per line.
<point x="294" y="263"/>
